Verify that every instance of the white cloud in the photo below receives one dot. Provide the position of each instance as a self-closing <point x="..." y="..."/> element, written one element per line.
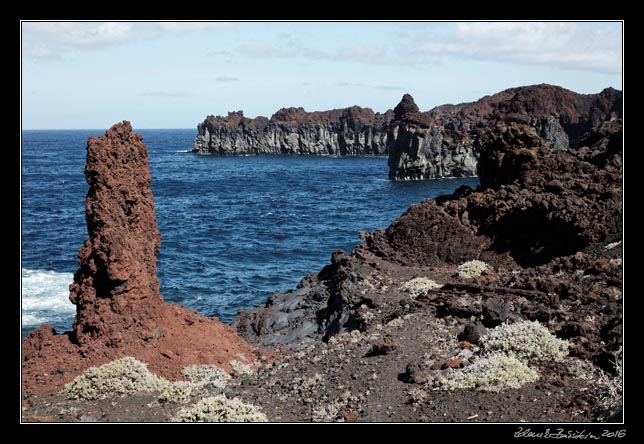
<point x="564" y="45"/>
<point x="219" y="52"/>
<point x="267" y="51"/>
<point x="52" y="40"/>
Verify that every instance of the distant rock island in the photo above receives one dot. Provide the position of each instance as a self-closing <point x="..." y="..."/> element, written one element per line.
<point x="442" y="142"/>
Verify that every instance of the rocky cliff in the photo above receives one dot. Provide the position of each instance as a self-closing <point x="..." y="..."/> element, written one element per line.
<point x="341" y="132"/>
<point x="446" y="141"/>
<point x="442" y="142"/>
<point x="119" y="308"/>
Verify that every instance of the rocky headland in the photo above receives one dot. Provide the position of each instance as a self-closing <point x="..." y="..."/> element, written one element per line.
<point x="442" y="142"/>
<point x="500" y="304"/>
<point x="447" y="140"/>
<point x="341" y="132"/>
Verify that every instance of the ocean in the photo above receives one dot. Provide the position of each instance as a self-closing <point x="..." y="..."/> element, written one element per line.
<point x="234" y="229"/>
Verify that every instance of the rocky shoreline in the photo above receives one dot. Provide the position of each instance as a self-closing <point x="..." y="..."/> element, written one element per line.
<point x="500" y="304"/>
<point x="442" y="142"/>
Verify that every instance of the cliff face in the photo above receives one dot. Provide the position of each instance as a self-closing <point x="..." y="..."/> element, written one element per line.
<point x="446" y="142"/>
<point x="344" y="132"/>
<point x="119" y="308"/>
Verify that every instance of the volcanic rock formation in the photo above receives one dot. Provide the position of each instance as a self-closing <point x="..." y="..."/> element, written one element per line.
<point x="340" y="132"/>
<point x="119" y="308"/>
<point x="442" y="142"/>
<point x="548" y="223"/>
<point x="446" y="141"/>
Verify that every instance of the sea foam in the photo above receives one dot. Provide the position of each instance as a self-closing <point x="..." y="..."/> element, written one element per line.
<point x="45" y="298"/>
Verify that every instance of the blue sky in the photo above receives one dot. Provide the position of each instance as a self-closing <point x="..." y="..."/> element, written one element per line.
<point x="174" y="74"/>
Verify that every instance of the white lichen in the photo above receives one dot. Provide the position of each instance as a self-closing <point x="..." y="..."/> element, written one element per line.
<point x="201" y="375"/>
<point x="503" y="360"/>
<point x="527" y="340"/>
<point x="419" y="286"/>
<point x="472" y="269"/>
<point x="178" y="391"/>
<point x="417" y="395"/>
<point x="220" y="409"/>
<point x="332" y="412"/>
<point x="494" y="372"/>
<point x="241" y="368"/>
<point x="124" y="376"/>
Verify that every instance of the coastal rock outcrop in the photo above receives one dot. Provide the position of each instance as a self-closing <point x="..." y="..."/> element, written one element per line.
<point x="340" y="132"/>
<point x="119" y="308"/>
<point x="442" y="142"/>
<point x="446" y="141"/>
<point x="546" y="224"/>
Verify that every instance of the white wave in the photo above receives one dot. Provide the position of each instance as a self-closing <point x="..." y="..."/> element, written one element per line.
<point x="45" y="297"/>
<point x="183" y="151"/>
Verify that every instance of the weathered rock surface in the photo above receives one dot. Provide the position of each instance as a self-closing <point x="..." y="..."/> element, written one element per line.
<point x="117" y="278"/>
<point x="120" y="310"/>
<point x="341" y="132"/>
<point x="446" y="141"/>
<point x="547" y="221"/>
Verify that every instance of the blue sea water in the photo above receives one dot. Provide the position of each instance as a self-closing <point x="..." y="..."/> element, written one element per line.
<point x="234" y="229"/>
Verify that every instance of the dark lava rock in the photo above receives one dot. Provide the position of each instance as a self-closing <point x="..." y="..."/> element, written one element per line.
<point x="494" y="313"/>
<point x="472" y="332"/>
<point x="447" y="140"/>
<point x="383" y="346"/>
<point x="339" y="132"/>
<point x="416" y="373"/>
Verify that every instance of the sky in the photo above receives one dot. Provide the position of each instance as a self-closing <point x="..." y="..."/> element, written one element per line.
<point x="90" y="75"/>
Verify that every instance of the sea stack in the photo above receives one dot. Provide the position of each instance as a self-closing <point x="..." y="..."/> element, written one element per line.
<point x="116" y="288"/>
<point x="119" y="307"/>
